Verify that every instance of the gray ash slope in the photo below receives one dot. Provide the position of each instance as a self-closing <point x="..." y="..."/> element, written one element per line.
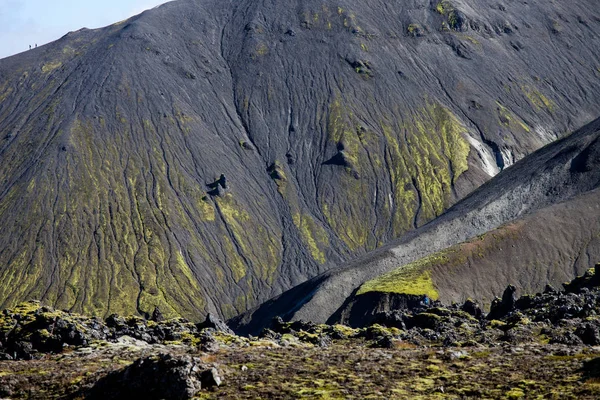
<point x="207" y="155"/>
<point x="537" y="224"/>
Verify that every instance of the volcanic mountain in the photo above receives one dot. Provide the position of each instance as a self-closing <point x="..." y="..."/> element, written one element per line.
<point x="207" y="155"/>
<point x="535" y="224"/>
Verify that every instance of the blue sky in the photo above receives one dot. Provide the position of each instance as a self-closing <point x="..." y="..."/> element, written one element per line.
<point x="25" y="22"/>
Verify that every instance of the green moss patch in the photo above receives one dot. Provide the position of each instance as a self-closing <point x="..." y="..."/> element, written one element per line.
<point x="412" y="279"/>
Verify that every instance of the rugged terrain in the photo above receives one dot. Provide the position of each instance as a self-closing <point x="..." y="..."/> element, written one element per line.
<point x="540" y="346"/>
<point x="534" y="224"/>
<point x="208" y="155"/>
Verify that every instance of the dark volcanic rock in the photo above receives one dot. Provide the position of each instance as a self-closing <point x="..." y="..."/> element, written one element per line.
<point x="472" y="308"/>
<point x="126" y="176"/>
<point x="161" y="377"/>
<point x="215" y="323"/>
<point x="29" y="330"/>
<point x="157" y="316"/>
<point x="501" y="307"/>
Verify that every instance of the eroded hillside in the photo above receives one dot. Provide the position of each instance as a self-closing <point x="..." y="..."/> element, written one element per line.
<point x="532" y="225"/>
<point x="207" y="155"/>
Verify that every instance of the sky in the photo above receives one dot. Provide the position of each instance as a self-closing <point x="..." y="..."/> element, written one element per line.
<point x="27" y="22"/>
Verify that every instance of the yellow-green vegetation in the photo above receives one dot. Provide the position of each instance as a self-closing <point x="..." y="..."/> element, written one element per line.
<point x="347" y="216"/>
<point x="313" y="235"/>
<point x="497" y="324"/>
<point x="234" y="260"/>
<point x="296" y="365"/>
<point x="425" y="153"/>
<point x="413" y="28"/>
<point x="327" y="19"/>
<point x="415" y="278"/>
<point x="444" y="7"/>
<point x="424" y="164"/>
<point x="471" y="39"/>
<point x="206" y="209"/>
<point x="261" y="50"/>
<point x="509" y="119"/>
<point x="69" y="51"/>
<point x="51" y="66"/>
<point x="411" y="279"/>
<point x="539" y="100"/>
<point x="254" y="242"/>
<point x="5" y="93"/>
<point x="126" y="256"/>
<point x="515" y="394"/>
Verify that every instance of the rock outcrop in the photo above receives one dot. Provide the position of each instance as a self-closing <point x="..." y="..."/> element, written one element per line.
<point x="155" y="378"/>
<point x="541" y="345"/>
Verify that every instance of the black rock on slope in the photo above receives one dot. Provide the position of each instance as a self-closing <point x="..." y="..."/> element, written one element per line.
<point x="207" y="155"/>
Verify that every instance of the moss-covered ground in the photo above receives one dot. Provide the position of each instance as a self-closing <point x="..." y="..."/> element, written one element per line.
<point x="345" y="370"/>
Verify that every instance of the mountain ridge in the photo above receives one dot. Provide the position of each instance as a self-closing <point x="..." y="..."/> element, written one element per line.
<point x="205" y="156"/>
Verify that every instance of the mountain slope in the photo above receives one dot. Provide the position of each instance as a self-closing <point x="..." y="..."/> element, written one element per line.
<point x="207" y="155"/>
<point x="549" y="246"/>
<point x="552" y="198"/>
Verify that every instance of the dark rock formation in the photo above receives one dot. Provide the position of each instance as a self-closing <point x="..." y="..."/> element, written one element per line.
<point x="157" y="316"/>
<point x="111" y="136"/>
<point x="215" y="323"/>
<point x="29" y="330"/>
<point x="155" y="378"/>
<point x="472" y="308"/>
<point x="502" y="307"/>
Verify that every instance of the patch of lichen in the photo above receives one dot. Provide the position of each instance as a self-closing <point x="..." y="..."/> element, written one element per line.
<point x="347" y="218"/>
<point x="51" y="66"/>
<point x="254" y="242"/>
<point x="31" y="319"/>
<point x="410" y="280"/>
<point x="234" y="260"/>
<point x="510" y="120"/>
<point x="424" y="154"/>
<point x="313" y="235"/>
<point x="124" y="258"/>
<point x="416" y="278"/>
<point x="444" y="7"/>
<point x="347" y="214"/>
<point x="5" y="93"/>
<point x="245" y="300"/>
<point x="537" y="98"/>
<point x="261" y="50"/>
<point x="424" y="164"/>
<point x="331" y="19"/>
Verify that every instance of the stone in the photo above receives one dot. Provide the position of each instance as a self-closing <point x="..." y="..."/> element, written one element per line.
<point x="472" y="308"/>
<point x="157" y="315"/>
<point x="385" y="342"/>
<point x="215" y="323"/>
<point x="589" y="334"/>
<point x="211" y="378"/>
<point x="153" y="378"/>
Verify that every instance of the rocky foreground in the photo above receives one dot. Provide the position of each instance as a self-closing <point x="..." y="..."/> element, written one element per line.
<point x="541" y="346"/>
